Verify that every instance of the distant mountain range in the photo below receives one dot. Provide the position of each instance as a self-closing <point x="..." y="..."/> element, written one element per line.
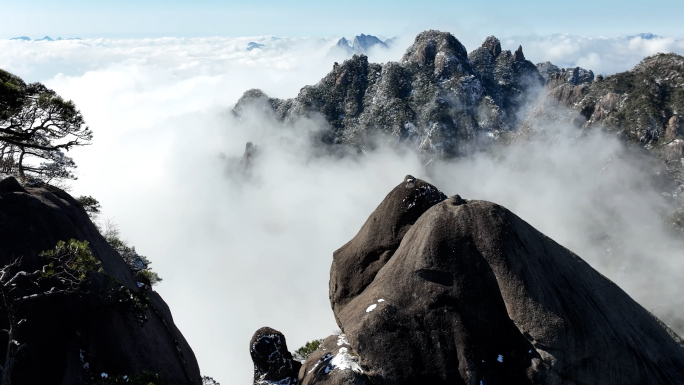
<point x="44" y="38"/>
<point x="360" y="45"/>
<point x="645" y="36"/>
<point x="252" y="45"/>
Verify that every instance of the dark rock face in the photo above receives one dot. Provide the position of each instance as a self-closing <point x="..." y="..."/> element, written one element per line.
<point x="518" y="54"/>
<point x="443" y="101"/>
<point x="273" y="363"/>
<point x="334" y="363"/>
<point x="355" y="264"/>
<point x="508" y="77"/>
<point x="493" y="45"/>
<point x="70" y="338"/>
<point x="558" y="76"/>
<point x="472" y="294"/>
<point x="251" y="152"/>
<point x="546" y="69"/>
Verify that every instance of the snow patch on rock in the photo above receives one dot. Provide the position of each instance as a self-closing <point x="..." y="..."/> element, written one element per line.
<point x="343" y="361"/>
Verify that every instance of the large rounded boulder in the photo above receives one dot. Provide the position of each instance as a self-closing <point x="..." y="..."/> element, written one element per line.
<point x="472" y="294"/>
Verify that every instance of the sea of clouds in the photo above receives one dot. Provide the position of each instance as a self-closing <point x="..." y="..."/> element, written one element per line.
<point x="237" y="253"/>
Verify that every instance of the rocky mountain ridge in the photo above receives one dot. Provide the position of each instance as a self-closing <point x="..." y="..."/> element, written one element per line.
<point x="439" y="98"/>
<point x="447" y="103"/>
<point x="44" y="38"/>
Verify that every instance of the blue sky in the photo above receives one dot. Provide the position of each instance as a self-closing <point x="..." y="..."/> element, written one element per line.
<point x="155" y="18"/>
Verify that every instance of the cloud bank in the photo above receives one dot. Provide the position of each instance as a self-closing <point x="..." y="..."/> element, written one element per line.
<point x="237" y="254"/>
<point x="603" y="55"/>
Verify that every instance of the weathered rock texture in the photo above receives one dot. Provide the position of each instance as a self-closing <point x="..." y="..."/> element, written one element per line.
<point x="643" y="104"/>
<point x="356" y="263"/>
<point x="71" y="338"/>
<point x="447" y="103"/>
<point x="438" y="97"/>
<point x="334" y="363"/>
<point x="273" y="363"/>
<point x="472" y="294"/>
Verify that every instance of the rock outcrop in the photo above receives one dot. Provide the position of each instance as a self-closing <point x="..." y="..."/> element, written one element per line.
<point x="642" y="104"/>
<point x="334" y="363"/>
<point x="113" y="326"/>
<point x="473" y="294"/>
<point x="273" y="363"/>
<point x="558" y="76"/>
<point x="355" y="264"/>
<point x="436" y="290"/>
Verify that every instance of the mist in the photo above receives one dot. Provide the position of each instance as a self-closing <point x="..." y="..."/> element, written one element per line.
<point x="240" y="251"/>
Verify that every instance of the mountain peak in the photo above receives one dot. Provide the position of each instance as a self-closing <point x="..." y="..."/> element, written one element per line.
<point x="429" y="44"/>
<point x="367" y="41"/>
<point x="518" y="55"/>
<point x="253" y="45"/>
<point x="493" y="45"/>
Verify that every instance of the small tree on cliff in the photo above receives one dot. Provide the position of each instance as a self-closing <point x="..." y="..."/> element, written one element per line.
<point x="64" y="270"/>
<point x="37" y="126"/>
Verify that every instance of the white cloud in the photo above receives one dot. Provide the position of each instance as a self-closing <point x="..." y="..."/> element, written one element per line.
<point x="603" y="55"/>
<point x="238" y="255"/>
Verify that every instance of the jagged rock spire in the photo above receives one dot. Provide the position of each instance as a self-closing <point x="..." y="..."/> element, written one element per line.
<point x="518" y="55"/>
<point x="493" y="45"/>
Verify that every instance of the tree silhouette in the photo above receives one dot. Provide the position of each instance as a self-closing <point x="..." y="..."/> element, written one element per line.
<point x="37" y="126"/>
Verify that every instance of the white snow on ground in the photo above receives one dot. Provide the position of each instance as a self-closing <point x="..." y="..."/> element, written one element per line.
<point x="371" y="308"/>
<point x="500" y="358"/>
